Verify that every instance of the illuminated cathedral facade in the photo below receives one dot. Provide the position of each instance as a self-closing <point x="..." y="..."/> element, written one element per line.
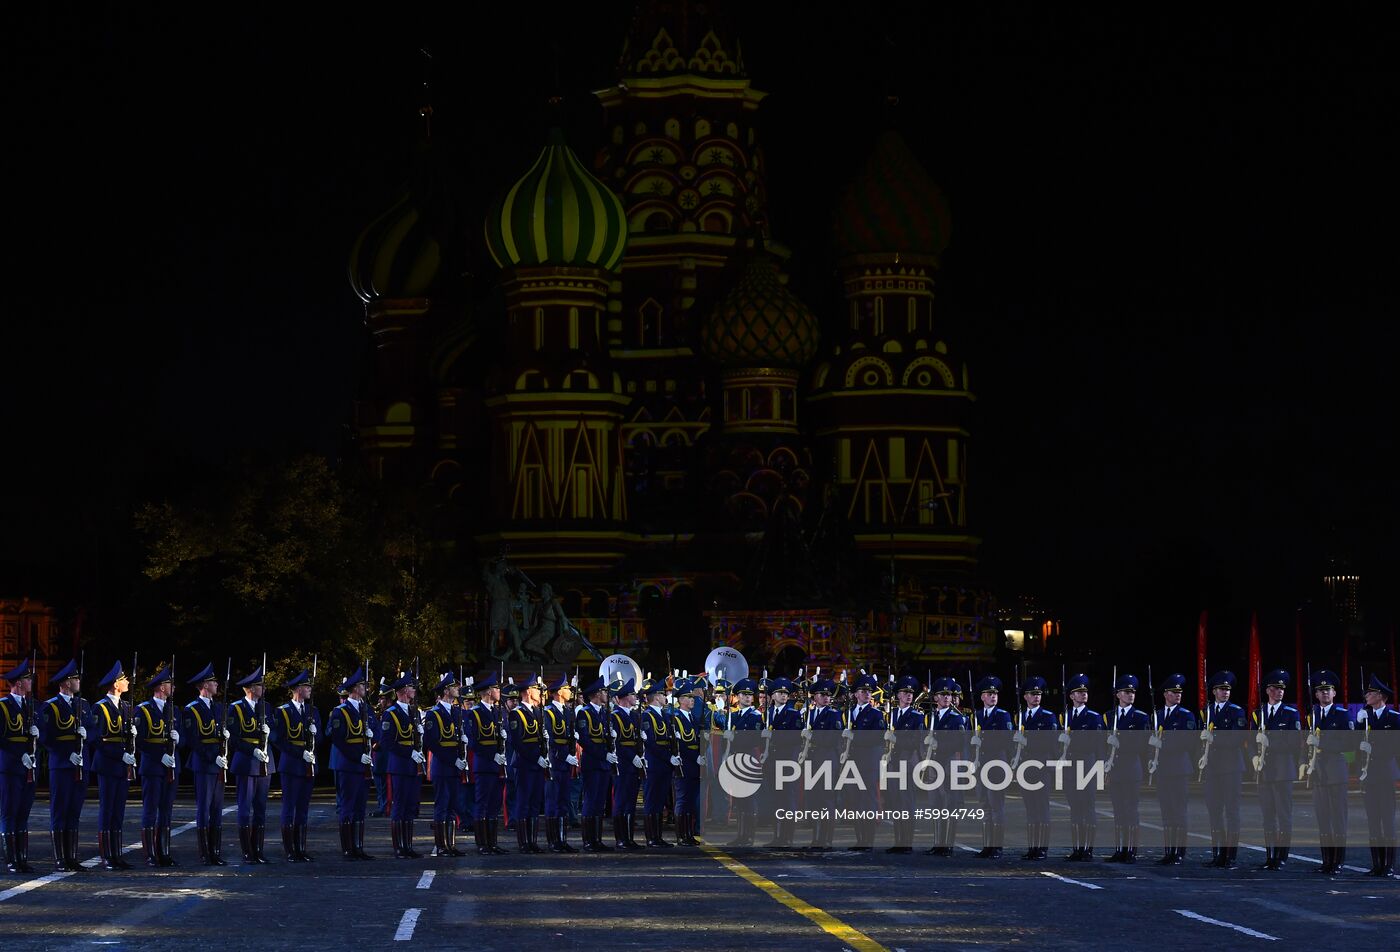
<point x="649" y="419"/>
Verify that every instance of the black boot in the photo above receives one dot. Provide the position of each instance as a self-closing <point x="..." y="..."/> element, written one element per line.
<point x="406" y="837"/>
<point x="70" y="840"/>
<point x="560" y="825"/>
<point x="1281" y="855"/>
<point x="245" y="842"/>
<point x="201" y="838"/>
<point x="450" y="827"/>
<point x="149" y="841"/>
<point x="301" y="844"/>
<point x="1217" y="850"/>
<point x="522" y="836"/>
<point x="589" y="832"/>
<point x="903" y="837"/>
<point x="59" y="864"/>
<point x="495" y="829"/>
<point x="743" y="836"/>
<point x="620" y="832"/>
<point x="439" y="839"/>
<point x="1118" y="849"/>
<point x="656" y="832"/>
<point x="289" y="843"/>
<point x="104" y="852"/>
<point x="163" y="845"/>
<point x="11" y="852"/>
<point x="532" y="835"/>
<point x="1076" y="835"/>
<point x="22" y="852"/>
<point x="816" y="846"/>
<point x="359" y="837"/>
<point x="1227" y="857"/>
<point x="347" y="841"/>
<point x="216" y="844"/>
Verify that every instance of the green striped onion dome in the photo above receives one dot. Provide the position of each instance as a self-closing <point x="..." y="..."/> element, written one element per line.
<point x="892" y="206"/>
<point x="397" y="256"/>
<point x="557" y="214"/>
<point x="760" y="323"/>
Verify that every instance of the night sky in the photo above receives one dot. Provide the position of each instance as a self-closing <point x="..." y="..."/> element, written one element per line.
<point x="1170" y="265"/>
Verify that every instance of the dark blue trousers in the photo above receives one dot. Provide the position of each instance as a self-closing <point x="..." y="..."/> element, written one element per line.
<point x="1172" y="792"/>
<point x="296" y="797"/>
<point x="1380" y="812"/>
<point x="687" y="795"/>
<point x="1125" y="797"/>
<point x="1222" y="792"/>
<point x="404" y="793"/>
<point x="1276" y="804"/>
<point x="252" y="800"/>
<point x="66" y="796"/>
<point x="557" y="791"/>
<point x="656" y="791"/>
<point x="381" y="789"/>
<point x="595" y="792"/>
<point x="488" y="796"/>
<point x="464" y="804"/>
<point x="16" y="802"/>
<point x="111" y="801"/>
<point x="625" y="793"/>
<point x="351" y="795"/>
<point x="208" y="799"/>
<point x="529" y="794"/>
<point x="157" y="801"/>
<point x="445" y="796"/>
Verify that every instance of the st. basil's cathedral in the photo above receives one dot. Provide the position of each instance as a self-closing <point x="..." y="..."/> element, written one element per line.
<point x="642" y="417"/>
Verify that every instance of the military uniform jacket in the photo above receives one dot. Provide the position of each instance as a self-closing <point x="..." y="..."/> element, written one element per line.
<point x="591" y="731"/>
<point x="1336" y="738"/>
<point x="558" y="726"/>
<point x="955" y="732"/>
<point x="1384" y="766"/>
<point x="443" y="740"/>
<point x="867" y="726"/>
<point x="153" y="725"/>
<point x="59" y="719"/>
<point x="108" y="739"/>
<point x="398" y="730"/>
<point x="995" y="731"/>
<point x="826" y="724"/>
<point x="786" y="724"/>
<point x="485" y="738"/>
<point x="1284" y="730"/>
<point x="202" y="735"/>
<point x="629" y="737"/>
<point x="1177" y="757"/>
<point x="526" y="739"/>
<point x="909" y="729"/>
<point x="292" y="735"/>
<point x="1134" y="727"/>
<point x="691" y="740"/>
<point x="244" y="724"/>
<point x="1228" y="725"/>
<point x="15" y="741"/>
<point x="1042" y="730"/>
<point x="656" y="731"/>
<point x="1086" y="736"/>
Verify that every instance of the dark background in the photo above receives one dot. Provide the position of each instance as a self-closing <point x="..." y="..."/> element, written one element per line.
<point x="1170" y="268"/>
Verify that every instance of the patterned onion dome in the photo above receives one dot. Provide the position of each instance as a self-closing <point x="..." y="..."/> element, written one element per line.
<point x="892" y="206"/>
<point x="557" y="214"/>
<point x="396" y="256"/>
<point x="760" y="323"/>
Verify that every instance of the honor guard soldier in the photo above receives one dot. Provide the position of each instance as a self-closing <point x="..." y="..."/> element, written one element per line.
<point x="19" y="750"/>
<point x="485" y="742"/>
<point x="1223" y="769"/>
<point x="951" y="730"/>
<point x="1036" y="736"/>
<point x="1084" y="728"/>
<point x="692" y="742"/>
<point x="784" y="736"/>
<point x="744" y="718"/>
<point x="1128" y="731"/>
<point x="63" y="729"/>
<point x="906" y="730"/>
<point x="593" y="733"/>
<point x="249" y="765"/>
<point x="993" y="740"/>
<point x="528" y="757"/>
<point x="157" y="738"/>
<point x="659" y="751"/>
<point x="445" y="746"/>
<point x="558" y="724"/>
<point x="630" y="765"/>
<point x="203" y="737"/>
<point x="294" y="732"/>
<point x="821" y="739"/>
<point x="400" y="727"/>
<point x="113" y="763"/>
<point x="1331" y="739"/>
<point x="350" y="730"/>
<point x="1381" y="729"/>
<point x="384" y="696"/>
<point x="1276" y="764"/>
<point x="704" y="716"/>
<point x="1171" y="767"/>
<point x="866" y="726"/>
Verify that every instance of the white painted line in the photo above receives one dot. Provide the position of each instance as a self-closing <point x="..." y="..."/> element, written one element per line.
<point x="1066" y="879"/>
<point x="1228" y="925"/>
<point x="407" y="924"/>
<point x="1296" y="913"/>
<point x="426" y="879"/>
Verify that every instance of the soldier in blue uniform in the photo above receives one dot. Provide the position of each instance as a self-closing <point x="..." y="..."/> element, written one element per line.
<point x="1128" y="730"/>
<point x="1330" y="736"/>
<point x="557" y="720"/>
<point x="821" y="738"/>
<point x="294" y="731"/>
<point x="1381" y="730"/>
<point x="950" y="728"/>
<point x="992" y="740"/>
<point x="1279" y="736"/>
<point x="691" y="737"/>
<point x="112" y="731"/>
<point x="1035" y="736"/>
<point x="782" y="737"/>
<point x="157" y="739"/>
<point x="485" y="742"/>
<point x="528" y="757"/>
<point x="906" y="730"/>
<point x="350" y="729"/>
<point x="19" y="737"/>
<point x="866" y="727"/>
<point x="400" y="727"/>
<point x="1084" y="729"/>
<point x="658" y="750"/>
<point x="593" y="732"/>
<point x="746" y="719"/>
<point x="1171" y="767"/>
<point x="203" y="736"/>
<point x="445" y="745"/>
<point x="627" y="727"/>
<point x="1222" y="762"/>
<point x="63" y="729"/>
<point x="249" y="765"/>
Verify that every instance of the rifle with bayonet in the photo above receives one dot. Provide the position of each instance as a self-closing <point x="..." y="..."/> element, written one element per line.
<point x="1019" y="738"/>
<point x="1064" y="734"/>
<point x="1314" y="733"/>
<point x="1156" y="741"/>
<point x="223" y="717"/>
<point x="1207" y="731"/>
<point x="128" y="712"/>
<point x="170" y="729"/>
<point x="976" y="727"/>
<point x="80" y="715"/>
<point x="1365" y="712"/>
<point x="1113" y="739"/>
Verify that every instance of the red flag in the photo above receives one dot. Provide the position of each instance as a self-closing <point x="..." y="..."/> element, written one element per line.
<point x="1298" y="660"/>
<point x="1256" y="674"/>
<point x="1201" y="658"/>
<point x="1346" y="669"/>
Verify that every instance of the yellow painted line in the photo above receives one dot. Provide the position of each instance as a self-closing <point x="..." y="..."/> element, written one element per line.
<point x="829" y="924"/>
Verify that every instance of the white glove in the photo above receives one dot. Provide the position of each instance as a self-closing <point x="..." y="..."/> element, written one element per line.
<point x="844" y="756"/>
<point x="1365" y="746"/>
<point x="75" y="759"/>
<point x="612" y="758"/>
<point x="33" y="730"/>
<point x="638" y="762"/>
<point x="420" y="728"/>
<point x="846" y="732"/>
<point x="129" y="760"/>
<point x="645" y="736"/>
<point x="1208" y="736"/>
<point x="461" y="762"/>
<point x="28" y="762"/>
<point x="1064" y="737"/>
<point x="168" y="761"/>
<point x="1262" y="739"/>
<point x="544" y="762"/>
<point x="1020" y="739"/>
<point x="675" y="761"/>
<point x="889" y="735"/>
<point x="227" y="735"/>
<point x="806" y="732"/>
<point x="766" y="733"/>
<point x="221" y="763"/>
<point x="976" y="740"/>
<point x="368" y="761"/>
<point x="729" y="734"/>
<point x="82" y="732"/>
<point x="1113" y="741"/>
<point x="311" y="728"/>
<point x="260" y="754"/>
<point x="418" y="758"/>
<point x="308" y="756"/>
<point x="501" y="759"/>
<point x="1258" y="762"/>
<point x="1313" y="740"/>
<point x="701" y="761"/>
<point x="266" y="730"/>
<point x="571" y="760"/>
<point x="133" y="730"/>
<point x="1154" y="741"/>
<point x="174" y="735"/>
